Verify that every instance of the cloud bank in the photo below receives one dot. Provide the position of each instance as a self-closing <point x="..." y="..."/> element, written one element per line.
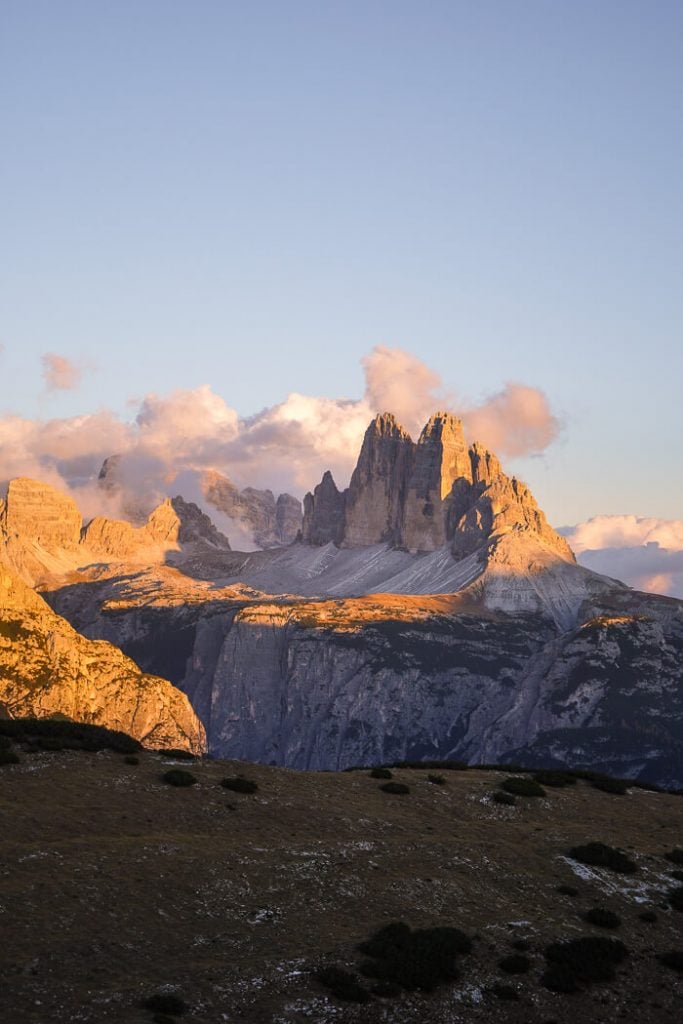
<point x="645" y="553"/>
<point x="285" y="447"/>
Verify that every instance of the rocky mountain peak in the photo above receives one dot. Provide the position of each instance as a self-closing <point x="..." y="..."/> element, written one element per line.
<point x="177" y="522"/>
<point x="38" y="513"/>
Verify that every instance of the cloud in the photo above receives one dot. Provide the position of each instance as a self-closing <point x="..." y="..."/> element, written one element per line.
<point x="646" y="553"/>
<point x="60" y="373"/>
<point x="172" y="439"/>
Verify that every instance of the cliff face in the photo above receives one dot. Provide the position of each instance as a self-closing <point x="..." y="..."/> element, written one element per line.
<point x="272" y="522"/>
<point x="46" y="668"/>
<point x="424" y="495"/>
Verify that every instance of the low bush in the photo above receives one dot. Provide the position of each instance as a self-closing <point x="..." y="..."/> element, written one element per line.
<point x="677" y="875"/>
<point x="397" y="788"/>
<point x="516" y="963"/>
<point x="568" y="890"/>
<point x="602" y="856"/>
<point x="343" y="985"/>
<point x="131" y="759"/>
<point x="419" y="959"/>
<point x="177" y="754"/>
<point x="443" y="765"/>
<point x="438" y="780"/>
<point x="609" y="785"/>
<point x="649" y="916"/>
<point x="554" y="778"/>
<point x="52" y="743"/>
<point x="519" y="786"/>
<point x="238" y="784"/>
<point x="8" y="756"/>
<point x="672" y="959"/>
<point x="602" y="918"/>
<point x="381" y="773"/>
<point x="675" y="897"/>
<point x="675" y="856"/>
<point x="507" y="799"/>
<point x="583" y="961"/>
<point x="179" y="777"/>
<point x="523" y="945"/>
<point x="166" y="1002"/>
<point x="505" y="992"/>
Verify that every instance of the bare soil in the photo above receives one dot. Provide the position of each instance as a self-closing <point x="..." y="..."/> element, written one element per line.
<point x="115" y="885"/>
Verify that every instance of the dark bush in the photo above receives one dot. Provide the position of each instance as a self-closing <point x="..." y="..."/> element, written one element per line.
<point x="649" y="916"/>
<point x="568" y="890"/>
<point x="516" y="963"/>
<point x="419" y="959"/>
<point x="582" y="961"/>
<point x="602" y="918"/>
<point x="677" y="875"/>
<point x="386" y="989"/>
<point x="608" y="785"/>
<point x="504" y="798"/>
<point x="522" y="787"/>
<point x="7" y="755"/>
<point x="131" y="759"/>
<point x="602" y="856"/>
<point x="505" y="992"/>
<point x="438" y="780"/>
<point x="395" y="787"/>
<point x="450" y="766"/>
<point x="672" y="959"/>
<point x="166" y="1002"/>
<point x="381" y="773"/>
<point x="50" y="743"/>
<point x="343" y="985"/>
<point x="179" y="777"/>
<point x="675" y="856"/>
<point x="675" y="897"/>
<point x="177" y="754"/>
<point x="523" y="945"/>
<point x="75" y="735"/>
<point x="555" y="779"/>
<point x="238" y="784"/>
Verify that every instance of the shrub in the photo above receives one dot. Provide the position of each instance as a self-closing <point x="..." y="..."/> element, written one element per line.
<point x="238" y="784"/>
<point x="166" y="1002"/>
<point x="50" y="743"/>
<point x="343" y="985"/>
<point x="516" y="963"/>
<point x="442" y="765"/>
<point x="568" y="890"/>
<point x="602" y="918"/>
<point x="582" y="961"/>
<point x="177" y="754"/>
<point x="678" y="875"/>
<point x="504" y="798"/>
<point x="505" y="992"/>
<point x="381" y="773"/>
<point x="8" y="756"/>
<point x="523" y="945"/>
<point x="419" y="959"/>
<point x="675" y="897"/>
<point x="554" y="779"/>
<point x="602" y="856"/>
<point x="179" y="777"/>
<point x="672" y="959"/>
<point x="397" y="788"/>
<point x="675" y="856"/>
<point x="131" y="759"/>
<point x="522" y="787"/>
<point x="649" y="916"/>
<point x="438" y="780"/>
<point x="608" y="785"/>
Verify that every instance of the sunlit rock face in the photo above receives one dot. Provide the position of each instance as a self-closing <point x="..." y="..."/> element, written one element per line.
<point x="272" y="522"/>
<point x="47" y="668"/>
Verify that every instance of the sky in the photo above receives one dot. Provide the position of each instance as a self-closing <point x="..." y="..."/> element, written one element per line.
<point x="215" y="213"/>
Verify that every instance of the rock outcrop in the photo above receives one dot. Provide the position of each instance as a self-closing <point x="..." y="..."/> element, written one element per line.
<point x="272" y="523"/>
<point x="47" y="668"/>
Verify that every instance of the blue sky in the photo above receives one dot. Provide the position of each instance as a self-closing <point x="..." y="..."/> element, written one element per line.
<point x="252" y="196"/>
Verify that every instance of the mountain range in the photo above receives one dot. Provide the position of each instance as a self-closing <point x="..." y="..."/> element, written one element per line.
<point x="427" y="611"/>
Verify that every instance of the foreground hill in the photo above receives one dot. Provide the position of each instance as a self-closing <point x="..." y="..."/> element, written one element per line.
<point x="47" y="668"/>
<point x="118" y="886"/>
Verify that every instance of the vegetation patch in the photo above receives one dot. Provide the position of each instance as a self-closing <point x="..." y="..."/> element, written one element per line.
<point x="649" y="916"/>
<point x="177" y="754"/>
<point x="437" y="780"/>
<point x="443" y="765"/>
<point x="568" y="890"/>
<point x="672" y="959"/>
<point x="71" y="735"/>
<point x="580" y="962"/>
<point x="423" y="958"/>
<point x="381" y="773"/>
<point x="238" y="784"/>
<point x="179" y="777"/>
<point x="675" y="897"/>
<point x="516" y="963"/>
<point x="602" y="918"/>
<point x="507" y="799"/>
<point x="675" y="856"/>
<point x="131" y="759"/>
<point x="602" y="856"/>
<point x="609" y="785"/>
<point x="397" y="788"/>
<point x="520" y="786"/>
<point x="343" y="985"/>
<point x="8" y="756"/>
<point x="505" y="992"/>
<point x="555" y="779"/>
<point x="166" y="1002"/>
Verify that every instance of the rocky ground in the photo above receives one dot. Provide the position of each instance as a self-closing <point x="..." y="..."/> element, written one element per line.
<point x="116" y="886"/>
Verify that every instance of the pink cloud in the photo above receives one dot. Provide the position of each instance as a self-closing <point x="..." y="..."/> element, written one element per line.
<point x="60" y="373"/>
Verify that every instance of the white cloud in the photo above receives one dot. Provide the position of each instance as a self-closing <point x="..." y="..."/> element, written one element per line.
<point x="60" y="373"/>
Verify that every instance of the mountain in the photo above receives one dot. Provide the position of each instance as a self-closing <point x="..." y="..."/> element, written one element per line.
<point x="47" y="668"/>
<point x="428" y="611"/>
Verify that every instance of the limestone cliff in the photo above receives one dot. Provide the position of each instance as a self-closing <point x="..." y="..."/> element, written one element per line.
<point x="47" y="668"/>
<point x="272" y="522"/>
